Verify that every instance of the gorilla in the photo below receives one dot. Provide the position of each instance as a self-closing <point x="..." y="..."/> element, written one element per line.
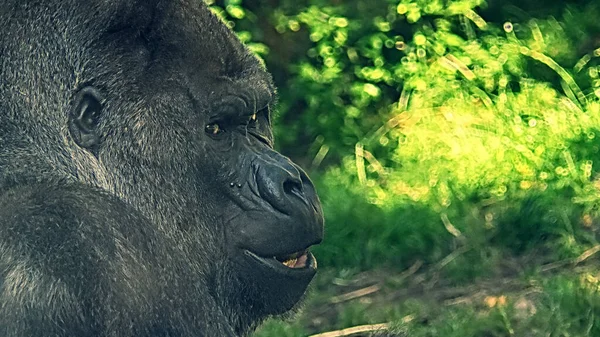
<point x="140" y="194"/>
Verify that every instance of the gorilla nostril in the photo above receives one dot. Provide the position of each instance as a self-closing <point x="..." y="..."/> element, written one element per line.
<point x="292" y="187"/>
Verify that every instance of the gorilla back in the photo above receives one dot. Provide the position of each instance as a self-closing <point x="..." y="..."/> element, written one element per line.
<point x="140" y="194"/>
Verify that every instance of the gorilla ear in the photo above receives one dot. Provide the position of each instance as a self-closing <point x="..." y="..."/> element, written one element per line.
<point x="84" y="118"/>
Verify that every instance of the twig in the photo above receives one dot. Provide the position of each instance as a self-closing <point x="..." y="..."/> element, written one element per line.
<point x="464" y="299"/>
<point x="361" y="172"/>
<point x="587" y="254"/>
<point x="353" y="330"/>
<point x="450" y="61"/>
<point x="452" y="256"/>
<point x="374" y="162"/>
<point x="413" y="269"/>
<point x="555" y="265"/>
<point x="355" y="294"/>
<point x="450" y="227"/>
<point x="584" y="256"/>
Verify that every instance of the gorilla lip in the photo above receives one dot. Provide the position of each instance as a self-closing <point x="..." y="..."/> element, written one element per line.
<point x="302" y="261"/>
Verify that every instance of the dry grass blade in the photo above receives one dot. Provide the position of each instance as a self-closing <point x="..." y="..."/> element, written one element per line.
<point x="354" y="330"/>
<point x="356" y="294"/>
<point x="444" y="262"/>
<point x="450" y="227"/>
<point x="584" y="256"/>
<point x="587" y="254"/>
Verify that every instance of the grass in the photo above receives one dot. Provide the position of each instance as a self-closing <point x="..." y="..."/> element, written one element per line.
<point x="516" y="299"/>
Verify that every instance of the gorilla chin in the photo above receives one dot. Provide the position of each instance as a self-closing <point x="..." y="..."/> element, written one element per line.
<point x="140" y="191"/>
<point x="282" y="283"/>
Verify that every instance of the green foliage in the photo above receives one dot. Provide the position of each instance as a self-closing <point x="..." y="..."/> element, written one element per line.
<point x="448" y="132"/>
<point x="231" y="12"/>
<point x="482" y="151"/>
<point x="398" y="234"/>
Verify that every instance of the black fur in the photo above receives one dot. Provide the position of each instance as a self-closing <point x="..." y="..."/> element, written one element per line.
<point x="139" y="191"/>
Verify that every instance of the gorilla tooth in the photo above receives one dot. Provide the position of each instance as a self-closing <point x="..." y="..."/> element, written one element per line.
<point x="291" y="263"/>
<point x="296" y="260"/>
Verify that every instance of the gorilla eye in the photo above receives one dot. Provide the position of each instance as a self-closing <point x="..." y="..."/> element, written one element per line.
<point x="214" y="129"/>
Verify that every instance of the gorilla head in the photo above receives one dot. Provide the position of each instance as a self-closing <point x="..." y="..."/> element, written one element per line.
<point x="141" y="131"/>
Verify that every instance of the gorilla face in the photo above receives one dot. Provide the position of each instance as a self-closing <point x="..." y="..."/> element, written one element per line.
<point x="272" y="215"/>
<point x="270" y="211"/>
<point x="198" y="107"/>
<point x="158" y="103"/>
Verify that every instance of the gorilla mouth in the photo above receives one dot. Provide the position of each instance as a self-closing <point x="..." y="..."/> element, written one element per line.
<point x="296" y="260"/>
<point x="291" y="264"/>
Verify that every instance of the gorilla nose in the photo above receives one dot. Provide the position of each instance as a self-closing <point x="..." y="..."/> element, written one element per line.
<point x="283" y="185"/>
<point x="293" y="186"/>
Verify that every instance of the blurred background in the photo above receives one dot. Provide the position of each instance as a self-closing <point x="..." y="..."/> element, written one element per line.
<point x="456" y="148"/>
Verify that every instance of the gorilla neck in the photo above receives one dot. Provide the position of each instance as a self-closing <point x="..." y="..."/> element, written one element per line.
<point x="235" y="297"/>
